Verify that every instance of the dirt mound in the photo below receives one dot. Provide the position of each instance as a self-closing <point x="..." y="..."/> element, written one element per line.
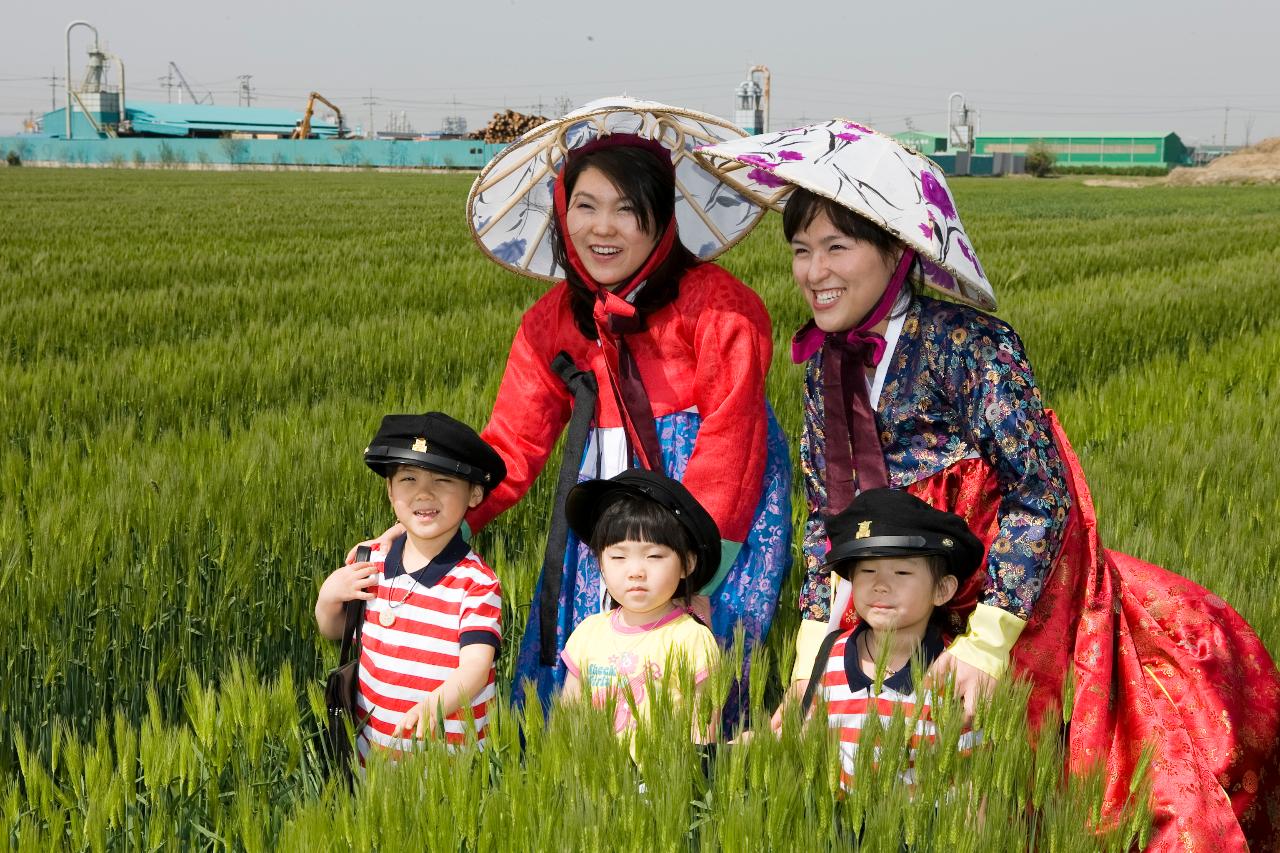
<point x="1257" y="164"/>
<point x="1266" y="146"/>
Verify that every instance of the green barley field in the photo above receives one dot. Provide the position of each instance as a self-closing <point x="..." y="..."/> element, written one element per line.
<point x="192" y="363"/>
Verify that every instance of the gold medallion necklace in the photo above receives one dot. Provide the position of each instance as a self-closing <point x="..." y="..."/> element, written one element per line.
<point x="387" y="616"/>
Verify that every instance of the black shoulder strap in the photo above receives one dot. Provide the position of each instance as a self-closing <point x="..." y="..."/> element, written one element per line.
<point x="819" y="669"/>
<point x="354" y="610"/>
<point x="582" y="384"/>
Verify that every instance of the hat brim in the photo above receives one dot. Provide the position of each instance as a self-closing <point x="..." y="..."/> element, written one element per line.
<point x="587" y="501"/>
<point x="899" y="546"/>
<point x="510" y="206"/>
<point x="874" y="176"/>
<point x="383" y="460"/>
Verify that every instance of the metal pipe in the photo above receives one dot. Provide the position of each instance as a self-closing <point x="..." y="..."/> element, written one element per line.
<point x="764" y="70"/>
<point x="951" y="124"/>
<point x="70" y="27"/>
<point x="123" y="114"/>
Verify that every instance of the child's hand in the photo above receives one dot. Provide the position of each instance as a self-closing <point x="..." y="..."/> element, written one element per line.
<point x="417" y="718"/>
<point x="795" y="693"/>
<point x="348" y="583"/>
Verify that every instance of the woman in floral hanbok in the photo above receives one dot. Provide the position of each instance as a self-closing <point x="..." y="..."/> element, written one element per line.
<point x="935" y="396"/>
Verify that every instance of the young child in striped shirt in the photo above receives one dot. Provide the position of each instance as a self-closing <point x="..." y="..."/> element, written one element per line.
<point x="904" y="559"/>
<point x="433" y="608"/>
<point x="656" y="545"/>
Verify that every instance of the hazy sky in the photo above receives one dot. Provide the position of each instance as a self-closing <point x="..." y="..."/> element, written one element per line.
<point x="1119" y="65"/>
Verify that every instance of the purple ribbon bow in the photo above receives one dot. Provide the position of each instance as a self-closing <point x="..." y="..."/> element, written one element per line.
<point x="854" y="460"/>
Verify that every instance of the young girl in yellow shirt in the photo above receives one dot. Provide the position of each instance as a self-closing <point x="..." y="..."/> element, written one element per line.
<point x="656" y="546"/>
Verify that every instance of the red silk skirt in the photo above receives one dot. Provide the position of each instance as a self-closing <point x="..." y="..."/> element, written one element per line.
<point x="1157" y="659"/>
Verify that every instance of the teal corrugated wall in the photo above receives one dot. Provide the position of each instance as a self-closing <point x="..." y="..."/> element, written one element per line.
<point x="436" y="153"/>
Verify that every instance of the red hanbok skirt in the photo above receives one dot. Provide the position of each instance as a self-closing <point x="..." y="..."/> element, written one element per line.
<point x="1157" y="659"/>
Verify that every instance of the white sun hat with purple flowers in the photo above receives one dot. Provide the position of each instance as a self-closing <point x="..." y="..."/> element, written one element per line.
<point x="510" y="208"/>
<point x="873" y="175"/>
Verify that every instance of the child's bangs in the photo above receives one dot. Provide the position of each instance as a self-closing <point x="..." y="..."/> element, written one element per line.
<point x="639" y="520"/>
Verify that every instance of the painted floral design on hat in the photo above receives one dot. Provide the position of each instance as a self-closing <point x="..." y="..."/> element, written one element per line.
<point x="511" y="251"/>
<point x="936" y="194"/>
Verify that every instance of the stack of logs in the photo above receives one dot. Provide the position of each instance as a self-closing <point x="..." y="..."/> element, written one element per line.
<point x="507" y="126"/>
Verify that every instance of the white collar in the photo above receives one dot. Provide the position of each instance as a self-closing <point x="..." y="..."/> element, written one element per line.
<point x="896" y="318"/>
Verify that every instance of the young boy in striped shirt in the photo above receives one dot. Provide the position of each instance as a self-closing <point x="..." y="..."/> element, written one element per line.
<point x="904" y="559"/>
<point x="433" y="608"/>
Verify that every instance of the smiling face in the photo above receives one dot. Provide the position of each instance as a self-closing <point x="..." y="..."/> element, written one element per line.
<point x="430" y="505"/>
<point x="642" y="577"/>
<point x="898" y="593"/>
<point x="840" y="277"/>
<point x="605" y="231"/>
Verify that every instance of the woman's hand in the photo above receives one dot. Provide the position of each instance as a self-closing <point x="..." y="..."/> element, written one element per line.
<point x="382" y="543"/>
<point x="971" y="683"/>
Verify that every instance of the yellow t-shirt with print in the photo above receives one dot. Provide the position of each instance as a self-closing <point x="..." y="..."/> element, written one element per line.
<point x="609" y="656"/>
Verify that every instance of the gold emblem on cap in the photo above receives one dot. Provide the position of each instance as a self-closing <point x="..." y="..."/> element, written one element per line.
<point x="947" y="543"/>
<point x="864" y="530"/>
<point x="420" y="446"/>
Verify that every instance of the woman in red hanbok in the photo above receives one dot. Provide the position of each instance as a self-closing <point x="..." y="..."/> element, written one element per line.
<point x="675" y="348"/>
<point x="937" y="397"/>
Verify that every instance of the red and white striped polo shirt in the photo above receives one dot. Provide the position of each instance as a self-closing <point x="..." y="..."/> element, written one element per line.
<point x="852" y="698"/>
<point x="453" y="601"/>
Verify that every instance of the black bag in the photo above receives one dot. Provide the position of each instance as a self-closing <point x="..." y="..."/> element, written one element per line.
<point x="344" y="682"/>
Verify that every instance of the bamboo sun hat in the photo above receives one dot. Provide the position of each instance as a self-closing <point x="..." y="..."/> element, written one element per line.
<point x="511" y="204"/>
<point x="874" y="176"/>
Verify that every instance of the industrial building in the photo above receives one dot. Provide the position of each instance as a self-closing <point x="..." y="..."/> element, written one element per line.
<point x="1094" y="149"/>
<point x="1070" y="149"/>
<point x="101" y="132"/>
<point x="180" y="121"/>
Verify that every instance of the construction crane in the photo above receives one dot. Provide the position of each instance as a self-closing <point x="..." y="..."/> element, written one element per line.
<point x="303" y="130"/>
<point x="183" y="84"/>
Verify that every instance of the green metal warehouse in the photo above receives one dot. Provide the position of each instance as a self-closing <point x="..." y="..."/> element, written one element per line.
<point x="1094" y="149"/>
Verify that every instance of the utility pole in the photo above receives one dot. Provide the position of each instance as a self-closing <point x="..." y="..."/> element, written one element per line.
<point x="53" y="90"/>
<point x="245" y="95"/>
<point x="1248" y="130"/>
<point x="167" y="82"/>
<point x="370" y="102"/>
<point x="1226" y="111"/>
